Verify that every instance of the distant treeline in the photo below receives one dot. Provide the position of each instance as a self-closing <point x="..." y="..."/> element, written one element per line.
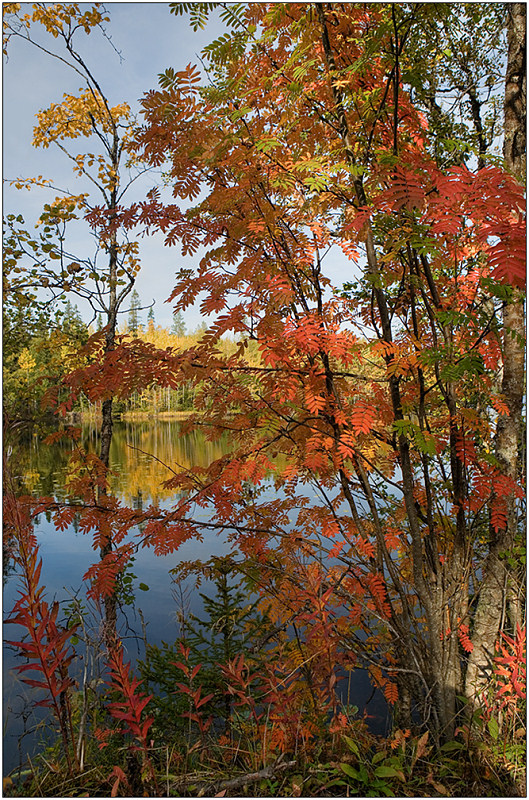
<point x="42" y="346"/>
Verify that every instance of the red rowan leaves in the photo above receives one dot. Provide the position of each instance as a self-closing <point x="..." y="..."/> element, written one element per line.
<point x="47" y="644"/>
<point x="462" y="633"/>
<point x="511" y="667"/>
<point x="121" y="778"/>
<point x="500" y="406"/>
<point x="498" y="513"/>
<point x="363" y="417"/>
<point x="365" y="547"/>
<point x="63" y="518"/>
<point x="129" y="707"/>
<point x="347" y="445"/>
<point x="391" y="692"/>
<point x="377" y="589"/>
<point x="314" y="403"/>
<point x="102" y="576"/>
<point x="392" y="538"/>
<point x="406" y="190"/>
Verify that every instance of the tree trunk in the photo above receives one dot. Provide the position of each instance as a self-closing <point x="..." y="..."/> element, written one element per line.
<point x="494" y="589"/>
<point x="110" y="624"/>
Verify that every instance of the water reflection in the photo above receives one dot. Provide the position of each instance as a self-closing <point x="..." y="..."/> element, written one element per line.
<point x="142" y="456"/>
<point x="141" y="459"/>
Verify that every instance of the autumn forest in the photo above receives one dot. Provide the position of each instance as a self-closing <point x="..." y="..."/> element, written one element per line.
<point x="280" y="551"/>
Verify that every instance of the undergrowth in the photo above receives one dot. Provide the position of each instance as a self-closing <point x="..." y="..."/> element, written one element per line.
<point x="212" y="714"/>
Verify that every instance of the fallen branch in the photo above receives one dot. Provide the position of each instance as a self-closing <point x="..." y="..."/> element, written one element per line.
<point x="213" y="789"/>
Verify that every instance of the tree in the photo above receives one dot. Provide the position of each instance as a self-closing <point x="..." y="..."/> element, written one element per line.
<point x="133" y="318"/>
<point x="150" y="321"/>
<point x="40" y="348"/>
<point x="455" y="56"/>
<point x="229" y="628"/>
<point x="311" y="137"/>
<point x="179" y="326"/>
<point x="44" y="262"/>
<point x="23" y="328"/>
<point x="72" y="323"/>
<point x="501" y="585"/>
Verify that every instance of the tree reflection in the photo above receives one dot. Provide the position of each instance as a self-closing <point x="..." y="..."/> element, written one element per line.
<point x="142" y="456"/>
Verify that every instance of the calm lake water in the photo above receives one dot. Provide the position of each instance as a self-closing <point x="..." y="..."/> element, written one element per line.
<point x="139" y="452"/>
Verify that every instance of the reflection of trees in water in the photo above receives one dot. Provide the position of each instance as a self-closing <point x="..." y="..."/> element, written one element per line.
<point x="143" y="457"/>
<point x="139" y="454"/>
<point x="38" y="468"/>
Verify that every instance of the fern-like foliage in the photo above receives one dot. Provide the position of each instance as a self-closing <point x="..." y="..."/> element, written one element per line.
<point x="198" y="12"/>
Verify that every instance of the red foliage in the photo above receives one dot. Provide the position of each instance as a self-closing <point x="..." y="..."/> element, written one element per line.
<point x="389" y="381"/>
<point x="128" y="709"/>
<point x="46" y="645"/>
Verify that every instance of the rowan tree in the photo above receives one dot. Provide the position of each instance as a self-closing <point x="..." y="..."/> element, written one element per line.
<point x="384" y="410"/>
<point x="378" y="405"/>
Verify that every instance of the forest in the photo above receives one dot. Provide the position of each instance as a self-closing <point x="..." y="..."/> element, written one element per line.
<point x="330" y="466"/>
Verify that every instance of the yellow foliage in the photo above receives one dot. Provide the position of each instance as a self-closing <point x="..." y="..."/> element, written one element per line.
<point x="78" y="116"/>
<point x="9" y="8"/>
<point x="27" y="183"/>
<point x="63" y="208"/>
<point x="57" y="17"/>
<point x="26" y="360"/>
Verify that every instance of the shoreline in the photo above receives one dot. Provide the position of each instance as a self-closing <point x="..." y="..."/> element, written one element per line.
<point x="128" y="416"/>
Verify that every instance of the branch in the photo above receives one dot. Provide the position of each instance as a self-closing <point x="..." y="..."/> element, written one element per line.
<point x="213" y="789"/>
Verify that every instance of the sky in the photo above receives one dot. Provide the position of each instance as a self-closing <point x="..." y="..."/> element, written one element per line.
<point x="149" y="39"/>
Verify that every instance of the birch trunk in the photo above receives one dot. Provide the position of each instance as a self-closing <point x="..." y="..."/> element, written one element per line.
<point x="493" y="594"/>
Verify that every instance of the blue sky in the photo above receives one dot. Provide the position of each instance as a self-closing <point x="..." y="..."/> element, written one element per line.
<point x="150" y="39"/>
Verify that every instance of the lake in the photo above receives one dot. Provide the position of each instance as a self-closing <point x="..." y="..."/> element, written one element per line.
<point x="138" y="455"/>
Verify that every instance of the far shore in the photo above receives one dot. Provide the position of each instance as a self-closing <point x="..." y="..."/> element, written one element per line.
<point x="128" y="416"/>
<point x="139" y="415"/>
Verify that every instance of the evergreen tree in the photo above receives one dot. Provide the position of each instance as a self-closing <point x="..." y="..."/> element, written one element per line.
<point x="200" y="329"/>
<point x="231" y="626"/>
<point x="134" y="317"/>
<point x="150" y="321"/>
<point x="179" y="326"/>
<point x="72" y="323"/>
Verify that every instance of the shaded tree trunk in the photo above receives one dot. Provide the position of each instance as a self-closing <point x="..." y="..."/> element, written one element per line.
<point x="493" y="594"/>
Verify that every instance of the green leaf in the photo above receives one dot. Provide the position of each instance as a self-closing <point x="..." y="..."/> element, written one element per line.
<point x="143" y="587"/>
<point x="493" y="728"/>
<point x="449" y="746"/>
<point x="264" y="145"/>
<point x="351" y="744"/>
<point x="351" y="772"/>
<point x="425" y="442"/>
<point x="402" y="426"/>
<point x="387" y="772"/>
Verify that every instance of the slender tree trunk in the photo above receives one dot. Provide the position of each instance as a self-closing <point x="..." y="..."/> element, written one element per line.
<point x="107" y="421"/>
<point x="494" y="589"/>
